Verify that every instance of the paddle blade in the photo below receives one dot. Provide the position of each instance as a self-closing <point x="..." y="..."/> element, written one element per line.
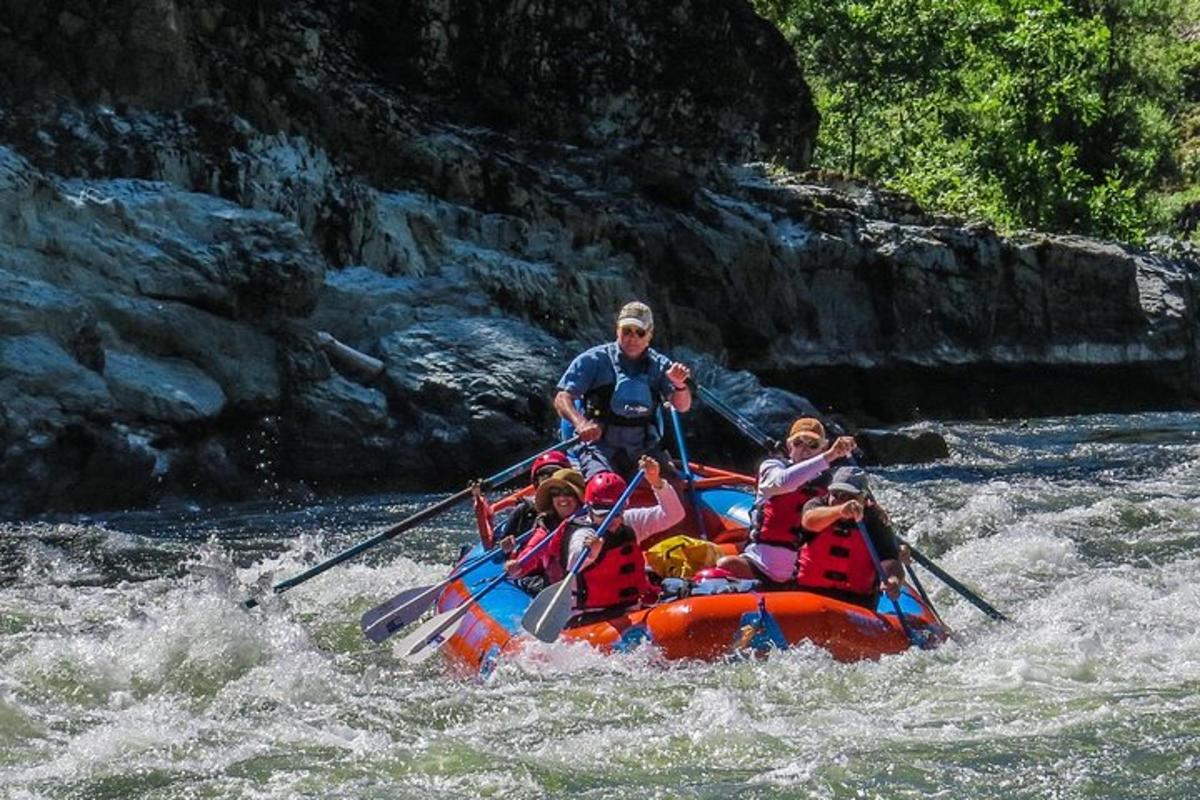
<point x="548" y="614"/>
<point x="385" y="619"/>
<point x="425" y="640"/>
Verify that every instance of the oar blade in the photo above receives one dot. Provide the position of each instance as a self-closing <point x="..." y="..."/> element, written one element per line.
<point x="548" y="614"/>
<point x="385" y="619"/>
<point x="425" y="640"/>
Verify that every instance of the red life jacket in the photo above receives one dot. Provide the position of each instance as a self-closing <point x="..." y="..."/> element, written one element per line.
<point x="838" y="558"/>
<point x="545" y="562"/>
<point x="617" y="578"/>
<point x="776" y="519"/>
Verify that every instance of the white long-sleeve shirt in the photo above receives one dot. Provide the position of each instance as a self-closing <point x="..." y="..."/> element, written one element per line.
<point x="777" y="476"/>
<point x="645" y="522"/>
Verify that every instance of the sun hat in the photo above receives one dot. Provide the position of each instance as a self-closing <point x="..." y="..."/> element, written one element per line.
<point x="567" y="478"/>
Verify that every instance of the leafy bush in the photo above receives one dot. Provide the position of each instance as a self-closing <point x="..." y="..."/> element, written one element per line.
<point x="1062" y="115"/>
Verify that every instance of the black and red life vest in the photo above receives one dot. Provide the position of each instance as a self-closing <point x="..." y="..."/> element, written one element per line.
<point x="616" y="579"/>
<point x="836" y="557"/>
<point x="776" y="520"/>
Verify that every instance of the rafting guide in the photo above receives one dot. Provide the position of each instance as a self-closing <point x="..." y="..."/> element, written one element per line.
<point x="610" y="394"/>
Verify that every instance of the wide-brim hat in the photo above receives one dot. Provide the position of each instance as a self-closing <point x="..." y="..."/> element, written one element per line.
<point x="566" y="478"/>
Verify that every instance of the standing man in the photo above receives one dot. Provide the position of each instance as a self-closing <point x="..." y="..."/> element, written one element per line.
<point x="611" y="394"/>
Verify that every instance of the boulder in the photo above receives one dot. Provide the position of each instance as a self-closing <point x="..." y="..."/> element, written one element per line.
<point x="242" y="360"/>
<point x="338" y="430"/>
<point x="884" y="448"/>
<point x="36" y="372"/>
<point x="163" y="390"/>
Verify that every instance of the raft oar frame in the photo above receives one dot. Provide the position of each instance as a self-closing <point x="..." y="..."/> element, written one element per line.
<point x="688" y="474"/>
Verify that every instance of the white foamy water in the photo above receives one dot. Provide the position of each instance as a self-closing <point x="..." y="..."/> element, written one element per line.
<point x="128" y="668"/>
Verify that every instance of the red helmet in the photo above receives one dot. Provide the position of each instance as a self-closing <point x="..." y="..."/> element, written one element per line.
<point x="604" y="489"/>
<point x="555" y="458"/>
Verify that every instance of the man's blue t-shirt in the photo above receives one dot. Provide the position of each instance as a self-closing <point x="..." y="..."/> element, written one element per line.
<point x="592" y="369"/>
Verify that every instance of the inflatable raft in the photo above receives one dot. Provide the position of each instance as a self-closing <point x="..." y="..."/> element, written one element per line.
<point x="717" y="619"/>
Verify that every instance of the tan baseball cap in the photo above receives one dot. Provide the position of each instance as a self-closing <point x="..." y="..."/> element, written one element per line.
<point x="636" y="313"/>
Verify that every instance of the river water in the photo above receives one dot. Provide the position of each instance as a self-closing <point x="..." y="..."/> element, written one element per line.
<point x="128" y="669"/>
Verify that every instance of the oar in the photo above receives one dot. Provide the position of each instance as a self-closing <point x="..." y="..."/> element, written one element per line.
<point x="425" y="640"/>
<point x="385" y="619"/>
<point x="410" y="522"/>
<point x="866" y="537"/>
<point x="771" y="445"/>
<point x="916" y="581"/>
<point x="748" y="428"/>
<point x="950" y="581"/>
<point x="688" y="475"/>
<point x="548" y="614"/>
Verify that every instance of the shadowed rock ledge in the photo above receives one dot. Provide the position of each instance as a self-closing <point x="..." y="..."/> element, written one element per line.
<point x="191" y="192"/>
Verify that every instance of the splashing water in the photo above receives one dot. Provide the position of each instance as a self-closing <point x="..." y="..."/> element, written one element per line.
<point x="128" y="669"/>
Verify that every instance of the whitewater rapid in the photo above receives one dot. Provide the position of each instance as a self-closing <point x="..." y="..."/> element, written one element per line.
<point x="129" y="669"/>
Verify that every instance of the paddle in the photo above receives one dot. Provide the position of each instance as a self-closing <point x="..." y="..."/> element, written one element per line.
<point x="385" y="619"/>
<point x="916" y="581"/>
<point x="410" y="522"/>
<point x="548" y="614"/>
<point x="950" y="581"/>
<point x="866" y="537"/>
<point x="771" y="445"/>
<point x="426" y="639"/>
<point x="688" y="475"/>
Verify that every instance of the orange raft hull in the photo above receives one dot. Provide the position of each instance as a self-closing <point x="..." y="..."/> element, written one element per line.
<point x="709" y="627"/>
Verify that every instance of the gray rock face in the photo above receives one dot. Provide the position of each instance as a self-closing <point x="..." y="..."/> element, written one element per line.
<point x="338" y="430"/>
<point x="163" y="390"/>
<point x="706" y="74"/>
<point x="467" y="192"/>
<point x="34" y="366"/>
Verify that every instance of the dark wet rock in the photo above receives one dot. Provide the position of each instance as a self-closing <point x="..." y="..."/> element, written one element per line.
<point x="709" y="74"/>
<point x="164" y="390"/>
<point x="193" y="192"/>
<point x="480" y="388"/>
<point x="337" y="429"/>
<point x="33" y="306"/>
<point x="40" y="379"/>
<point x="884" y="447"/>
<point x="242" y="360"/>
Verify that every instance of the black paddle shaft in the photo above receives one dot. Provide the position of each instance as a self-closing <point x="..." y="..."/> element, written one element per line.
<point x="382" y="536"/>
<point x="405" y="524"/>
<point x="950" y="581"/>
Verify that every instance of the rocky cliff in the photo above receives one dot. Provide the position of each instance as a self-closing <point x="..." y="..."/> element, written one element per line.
<point x="191" y="191"/>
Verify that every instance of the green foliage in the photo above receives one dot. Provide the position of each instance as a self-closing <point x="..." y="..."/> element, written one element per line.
<point x="1062" y="115"/>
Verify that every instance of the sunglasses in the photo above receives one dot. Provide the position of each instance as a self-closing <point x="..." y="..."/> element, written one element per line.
<point x="631" y="331"/>
<point x="601" y="511"/>
<point x="557" y="492"/>
<point x="806" y="444"/>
